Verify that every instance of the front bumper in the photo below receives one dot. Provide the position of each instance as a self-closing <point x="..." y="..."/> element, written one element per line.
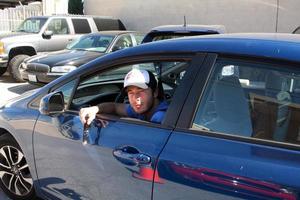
<point x="3" y="60"/>
<point x="39" y="77"/>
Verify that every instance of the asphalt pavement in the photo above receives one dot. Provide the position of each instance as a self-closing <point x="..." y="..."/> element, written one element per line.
<point x="10" y="89"/>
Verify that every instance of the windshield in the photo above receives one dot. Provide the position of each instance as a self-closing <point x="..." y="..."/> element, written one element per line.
<point x="99" y="43"/>
<point x="31" y="25"/>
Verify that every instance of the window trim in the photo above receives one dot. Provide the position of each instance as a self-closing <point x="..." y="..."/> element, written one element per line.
<point x="189" y="109"/>
<point x="173" y="116"/>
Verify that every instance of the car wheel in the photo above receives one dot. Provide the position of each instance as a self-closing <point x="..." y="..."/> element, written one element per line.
<point x="14" y="67"/>
<point x="15" y="177"/>
<point x="2" y="70"/>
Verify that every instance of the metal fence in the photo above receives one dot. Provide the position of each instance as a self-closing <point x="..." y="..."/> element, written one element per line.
<point x="10" y="18"/>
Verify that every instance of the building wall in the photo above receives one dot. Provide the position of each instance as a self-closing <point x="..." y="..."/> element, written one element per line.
<point x="52" y="7"/>
<point x="236" y="15"/>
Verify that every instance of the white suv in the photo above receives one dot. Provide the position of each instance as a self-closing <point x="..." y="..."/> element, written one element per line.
<point x="47" y="33"/>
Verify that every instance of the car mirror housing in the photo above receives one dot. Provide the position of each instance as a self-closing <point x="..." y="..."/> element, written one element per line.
<point x="52" y="103"/>
<point x="47" y="34"/>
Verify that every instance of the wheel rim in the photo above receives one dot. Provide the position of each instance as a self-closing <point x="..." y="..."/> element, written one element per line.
<point x="14" y="171"/>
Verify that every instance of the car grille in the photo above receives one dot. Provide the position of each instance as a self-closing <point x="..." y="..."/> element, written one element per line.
<point x="37" y="67"/>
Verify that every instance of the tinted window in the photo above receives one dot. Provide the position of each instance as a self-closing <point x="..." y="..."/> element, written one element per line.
<point x="81" y="26"/>
<point x="297" y="30"/>
<point x="108" y="24"/>
<point x="252" y="100"/>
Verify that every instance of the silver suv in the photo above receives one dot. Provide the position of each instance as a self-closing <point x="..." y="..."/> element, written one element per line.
<point x="47" y="33"/>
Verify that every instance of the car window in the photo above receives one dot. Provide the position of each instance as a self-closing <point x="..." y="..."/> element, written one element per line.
<point x="31" y="25"/>
<point x="67" y="90"/>
<point x="104" y="24"/>
<point x="81" y="26"/>
<point x="123" y="42"/>
<point x="248" y="99"/>
<point x="58" y="26"/>
<point x="297" y="30"/>
<point x="138" y="37"/>
<point x="107" y="85"/>
<point x="98" y="43"/>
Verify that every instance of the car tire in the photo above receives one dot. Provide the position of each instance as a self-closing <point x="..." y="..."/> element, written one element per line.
<point x="2" y="70"/>
<point x="14" y="67"/>
<point x="15" y="177"/>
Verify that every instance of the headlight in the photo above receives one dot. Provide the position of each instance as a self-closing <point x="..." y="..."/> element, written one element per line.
<point x="1" y="47"/>
<point x="63" y="69"/>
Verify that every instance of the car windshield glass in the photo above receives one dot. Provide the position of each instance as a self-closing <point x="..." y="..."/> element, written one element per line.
<point x="31" y="25"/>
<point x="98" y="43"/>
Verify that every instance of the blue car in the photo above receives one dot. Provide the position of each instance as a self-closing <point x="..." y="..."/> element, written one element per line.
<point x="232" y="129"/>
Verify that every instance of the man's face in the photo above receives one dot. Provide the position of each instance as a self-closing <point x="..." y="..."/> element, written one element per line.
<point x="140" y="99"/>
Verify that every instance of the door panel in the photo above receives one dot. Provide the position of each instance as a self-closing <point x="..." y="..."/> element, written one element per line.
<point x="216" y="168"/>
<point x="237" y="136"/>
<point x="113" y="165"/>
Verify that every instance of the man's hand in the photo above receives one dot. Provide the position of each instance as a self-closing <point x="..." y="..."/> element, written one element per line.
<point x="87" y="115"/>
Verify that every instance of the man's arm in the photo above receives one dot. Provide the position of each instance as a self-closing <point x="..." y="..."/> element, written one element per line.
<point x="113" y="108"/>
<point x="87" y="115"/>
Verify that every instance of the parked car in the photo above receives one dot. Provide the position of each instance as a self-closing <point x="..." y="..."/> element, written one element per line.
<point x="231" y="130"/>
<point x="42" y="69"/>
<point x="175" y="31"/>
<point x="47" y="33"/>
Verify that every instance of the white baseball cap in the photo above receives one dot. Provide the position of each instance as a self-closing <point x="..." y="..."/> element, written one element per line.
<point x="140" y="78"/>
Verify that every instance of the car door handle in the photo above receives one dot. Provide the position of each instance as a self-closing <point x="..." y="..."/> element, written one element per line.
<point x="131" y="156"/>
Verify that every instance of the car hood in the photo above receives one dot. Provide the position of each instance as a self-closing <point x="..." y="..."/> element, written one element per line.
<point x="12" y="34"/>
<point x="65" y="57"/>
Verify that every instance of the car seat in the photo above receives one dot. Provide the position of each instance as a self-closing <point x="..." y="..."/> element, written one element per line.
<point x="277" y="87"/>
<point x="231" y="106"/>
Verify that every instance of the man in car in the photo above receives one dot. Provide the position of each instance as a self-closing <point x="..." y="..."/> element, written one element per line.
<point x="145" y="103"/>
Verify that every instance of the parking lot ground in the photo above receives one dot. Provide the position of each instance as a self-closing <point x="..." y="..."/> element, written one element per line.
<point x="11" y="89"/>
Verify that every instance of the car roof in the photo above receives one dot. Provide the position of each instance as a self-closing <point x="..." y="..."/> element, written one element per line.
<point x="281" y="46"/>
<point x="190" y="28"/>
<point x="270" y="45"/>
<point x="115" y="32"/>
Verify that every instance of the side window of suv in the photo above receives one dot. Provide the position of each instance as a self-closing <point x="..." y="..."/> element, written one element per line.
<point x="81" y="26"/>
<point x="58" y="26"/>
<point x="258" y="100"/>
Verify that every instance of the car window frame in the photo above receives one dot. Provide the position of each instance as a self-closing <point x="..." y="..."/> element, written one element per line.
<point x="194" y="98"/>
<point x="174" y="108"/>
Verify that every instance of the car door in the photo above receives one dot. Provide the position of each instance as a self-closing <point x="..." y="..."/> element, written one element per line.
<point x="59" y="39"/>
<point x="115" y="162"/>
<point x="237" y="136"/>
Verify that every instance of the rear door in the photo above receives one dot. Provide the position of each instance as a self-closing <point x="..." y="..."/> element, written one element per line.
<point x="238" y="134"/>
<point x="117" y="162"/>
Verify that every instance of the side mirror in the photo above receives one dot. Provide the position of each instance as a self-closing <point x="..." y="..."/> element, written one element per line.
<point x="52" y="103"/>
<point x="47" y="34"/>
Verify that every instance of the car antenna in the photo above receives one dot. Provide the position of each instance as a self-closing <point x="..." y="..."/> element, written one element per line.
<point x="184" y="21"/>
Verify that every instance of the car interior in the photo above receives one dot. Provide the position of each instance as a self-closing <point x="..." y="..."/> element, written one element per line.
<point x="265" y="103"/>
<point x="107" y="86"/>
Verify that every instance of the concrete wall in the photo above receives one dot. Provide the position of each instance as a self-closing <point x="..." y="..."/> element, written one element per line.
<point x="236" y="15"/>
<point x="51" y="7"/>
